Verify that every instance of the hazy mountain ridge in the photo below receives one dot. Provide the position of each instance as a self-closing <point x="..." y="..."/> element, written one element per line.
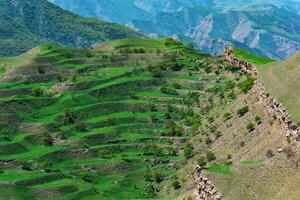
<point x="265" y="31"/>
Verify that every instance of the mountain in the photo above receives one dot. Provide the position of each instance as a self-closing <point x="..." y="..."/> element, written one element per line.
<point x="25" y="24"/>
<point x="261" y="27"/>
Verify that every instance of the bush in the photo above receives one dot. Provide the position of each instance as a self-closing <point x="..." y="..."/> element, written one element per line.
<point x="170" y="41"/>
<point x="208" y="141"/>
<point x="210" y="156"/>
<point x="80" y="126"/>
<point x="37" y="91"/>
<point x="258" y="120"/>
<point x="86" y="177"/>
<point x="242" y="111"/>
<point x="69" y="117"/>
<point x="231" y="68"/>
<point x="41" y="70"/>
<point x="226" y="116"/>
<point x="202" y="161"/>
<point x="250" y="127"/>
<point x="188" y="150"/>
<point x="176" y="184"/>
<point x="269" y="153"/>
<point x="26" y="165"/>
<point x="47" y="140"/>
<point x="246" y="85"/>
<point x="166" y="90"/>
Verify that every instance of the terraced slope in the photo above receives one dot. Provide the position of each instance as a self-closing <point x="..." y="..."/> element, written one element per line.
<point x="111" y="122"/>
<point x="130" y="119"/>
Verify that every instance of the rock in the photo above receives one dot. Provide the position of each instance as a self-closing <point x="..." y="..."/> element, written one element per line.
<point x="280" y="150"/>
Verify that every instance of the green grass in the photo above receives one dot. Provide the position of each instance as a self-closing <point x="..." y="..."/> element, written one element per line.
<point x="255" y="59"/>
<point x="253" y="162"/>
<point x="221" y="169"/>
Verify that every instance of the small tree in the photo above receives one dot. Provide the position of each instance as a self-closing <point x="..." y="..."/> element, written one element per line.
<point x="188" y="150"/>
<point x="250" y="127"/>
<point x="175" y="183"/>
<point x="80" y="126"/>
<point x="210" y="156"/>
<point x="242" y="111"/>
<point x="269" y="153"/>
<point x="258" y="120"/>
<point x="202" y="161"/>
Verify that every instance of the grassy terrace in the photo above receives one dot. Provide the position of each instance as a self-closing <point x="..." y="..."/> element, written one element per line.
<point x="112" y="122"/>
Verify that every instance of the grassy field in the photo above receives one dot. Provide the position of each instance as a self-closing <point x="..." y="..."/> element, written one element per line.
<point x="111" y="122"/>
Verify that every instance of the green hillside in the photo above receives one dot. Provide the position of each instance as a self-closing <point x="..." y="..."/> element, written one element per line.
<point x="26" y="24"/>
<point x="113" y="122"/>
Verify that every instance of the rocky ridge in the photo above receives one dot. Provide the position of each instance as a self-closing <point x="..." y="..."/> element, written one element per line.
<point x="274" y="106"/>
<point x="205" y="189"/>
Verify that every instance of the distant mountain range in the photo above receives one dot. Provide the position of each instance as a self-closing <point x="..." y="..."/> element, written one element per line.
<point x="27" y="23"/>
<point x="270" y="28"/>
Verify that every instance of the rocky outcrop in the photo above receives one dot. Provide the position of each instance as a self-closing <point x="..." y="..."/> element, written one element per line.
<point x="9" y="163"/>
<point x="274" y="106"/>
<point x="205" y="189"/>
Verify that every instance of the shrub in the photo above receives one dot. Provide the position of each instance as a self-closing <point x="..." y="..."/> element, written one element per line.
<point x="170" y="41"/>
<point x="41" y="70"/>
<point x="202" y="161"/>
<point x="210" y="156"/>
<point x="242" y="111"/>
<point x="226" y="116"/>
<point x="26" y="165"/>
<point x="242" y="144"/>
<point x="250" y="127"/>
<point x="47" y="140"/>
<point x="80" y="126"/>
<point x="166" y="90"/>
<point x="246" y="85"/>
<point x="231" y="68"/>
<point x="231" y="96"/>
<point x="208" y="141"/>
<point x="86" y="177"/>
<point x="258" y="120"/>
<point x="269" y="153"/>
<point x="69" y="117"/>
<point x="176" y="184"/>
<point x="188" y="150"/>
<point x="37" y="91"/>
<point x="210" y="120"/>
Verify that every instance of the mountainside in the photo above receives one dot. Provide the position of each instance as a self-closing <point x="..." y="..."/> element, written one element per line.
<point x="25" y="24"/>
<point x="130" y="119"/>
<point x="261" y="27"/>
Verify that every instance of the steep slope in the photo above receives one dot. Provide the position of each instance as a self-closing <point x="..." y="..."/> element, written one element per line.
<point x="25" y="24"/>
<point x="260" y="27"/>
